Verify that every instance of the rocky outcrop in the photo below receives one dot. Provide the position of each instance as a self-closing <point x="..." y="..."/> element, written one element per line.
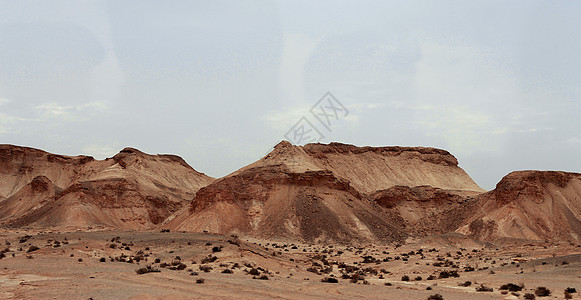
<point x="533" y="205"/>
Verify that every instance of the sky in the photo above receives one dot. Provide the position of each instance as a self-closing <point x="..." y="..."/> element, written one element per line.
<point x="496" y="83"/>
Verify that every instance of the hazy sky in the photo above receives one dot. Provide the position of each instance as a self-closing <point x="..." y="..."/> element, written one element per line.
<point x="496" y="83"/>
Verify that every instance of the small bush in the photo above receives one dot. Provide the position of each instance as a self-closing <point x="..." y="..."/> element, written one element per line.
<point x="570" y="290"/>
<point x="512" y="287"/>
<point x="263" y="277"/>
<point x="405" y="278"/>
<point x="330" y="280"/>
<point x="356" y="277"/>
<point x="208" y="259"/>
<point x="32" y="249"/>
<point x="447" y="274"/>
<point x="466" y="284"/>
<point x="483" y="288"/>
<point x="529" y="296"/>
<point x="436" y="297"/>
<point x="254" y="272"/>
<point x="200" y="280"/>
<point x="227" y="271"/>
<point x="179" y="267"/>
<point x="102" y="259"/>
<point x="206" y="269"/>
<point x="542" y="291"/>
<point x="148" y="269"/>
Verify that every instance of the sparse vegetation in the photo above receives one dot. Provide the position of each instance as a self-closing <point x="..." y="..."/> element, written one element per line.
<point x="32" y="249"/>
<point x="148" y="269"/>
<point x="512" y="287"/>
<point x="205" y="268"/>
<point x="483" y="288"/>
<point x="542" y="291"/>
<point x="466" y="284"/>
<point x="254" y="272"/>
<point x="330" y="280"/>
<point x="448" y="274"/>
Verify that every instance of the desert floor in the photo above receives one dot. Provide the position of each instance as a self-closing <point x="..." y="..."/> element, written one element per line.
<point x="103" y="264"/>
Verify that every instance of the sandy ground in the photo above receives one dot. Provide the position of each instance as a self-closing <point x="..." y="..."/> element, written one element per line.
<point x="102" y="265"/>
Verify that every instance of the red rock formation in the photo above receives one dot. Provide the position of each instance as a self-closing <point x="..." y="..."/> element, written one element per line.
<point x="321" y="192"/>
<point x="536" y="205"/>
<point x="132" y="190"/>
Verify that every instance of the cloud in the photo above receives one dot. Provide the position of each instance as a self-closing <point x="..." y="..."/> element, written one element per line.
<point x="465" y="130"/>
<point x="283" y="120"/>
<point x="69" y="113"/>
<point x="54" y="110"/>
<point x="576" y="140"/>
<point x="466" y="96"/>
<point x="95" y="105"/>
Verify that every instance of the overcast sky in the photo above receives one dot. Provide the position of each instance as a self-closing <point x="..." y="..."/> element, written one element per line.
<point x="496" y="83"/>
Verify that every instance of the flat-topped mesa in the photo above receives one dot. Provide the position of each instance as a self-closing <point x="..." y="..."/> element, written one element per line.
<point x="427" y="154"/>
<point x="321" y="192"/>
<point x="370" y="169"/>
<point x="19" y="154"/>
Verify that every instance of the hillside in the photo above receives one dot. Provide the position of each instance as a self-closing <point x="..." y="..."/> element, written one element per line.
<point x="535" y="205"/>
<point x="322" y="192"/>
<point x="131" y="190"/>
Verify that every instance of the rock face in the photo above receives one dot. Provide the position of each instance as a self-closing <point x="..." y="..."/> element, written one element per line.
<point x="426" y="210"/>
<point x="131" y="190"/>
<point x="536" y="205"/>
<point x="323" y="192"/>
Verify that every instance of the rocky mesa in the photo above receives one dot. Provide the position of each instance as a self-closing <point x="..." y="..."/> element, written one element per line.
<point x="320" y="192"/>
